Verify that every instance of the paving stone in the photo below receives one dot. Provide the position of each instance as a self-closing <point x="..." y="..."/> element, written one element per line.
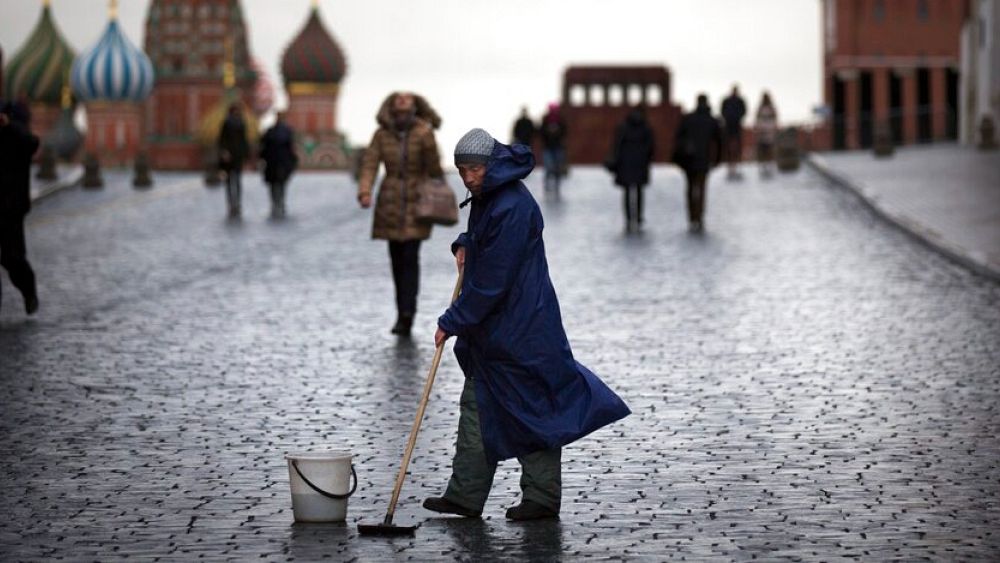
<point x="807" y="383"/>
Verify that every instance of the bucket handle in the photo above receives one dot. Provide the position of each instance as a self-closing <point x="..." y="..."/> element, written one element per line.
<point x="321" y="491"/>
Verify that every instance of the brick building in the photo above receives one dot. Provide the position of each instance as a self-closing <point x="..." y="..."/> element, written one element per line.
<point x="595" y="99"/>
<point x="892" y="65"/>
<point x="191" y="43"/>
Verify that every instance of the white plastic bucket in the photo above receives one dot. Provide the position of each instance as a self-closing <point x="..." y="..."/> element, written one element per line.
<point x="321" y="485"/>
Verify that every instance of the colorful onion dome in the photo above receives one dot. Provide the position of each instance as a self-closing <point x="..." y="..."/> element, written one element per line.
<point x="113" y="69"/>
<point x="314" y="56"/>
<point x="37" y="71"/>
<point x="263" y="89"/>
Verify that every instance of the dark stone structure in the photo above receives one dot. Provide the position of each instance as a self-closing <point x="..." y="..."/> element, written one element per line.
<point x="142" y="178"/>
<point x="595" y="99"/>
<point x="92" y="172"/>
<point x="46" y="163"/>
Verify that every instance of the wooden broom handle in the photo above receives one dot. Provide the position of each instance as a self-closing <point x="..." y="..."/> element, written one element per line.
<point x="420" y="414"/>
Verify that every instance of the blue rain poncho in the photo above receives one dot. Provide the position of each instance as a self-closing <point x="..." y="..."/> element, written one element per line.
<point x="531" y="393"/>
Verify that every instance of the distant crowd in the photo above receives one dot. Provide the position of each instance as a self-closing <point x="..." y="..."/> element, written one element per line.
<point x="701" y="142"/>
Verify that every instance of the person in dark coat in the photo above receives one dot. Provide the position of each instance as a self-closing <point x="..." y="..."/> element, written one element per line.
<point x="277" y="149"/>
<point x="17" y="146"/>
<point x="734" y="109"/>
<point x="766" y="133"/>
<point x="697" y="148"/>
<point x="631" y="155"/>
<point x="525" y="395"/>
<point x="553" y="132"/>
<point x="524" y="129"/>
<point x="233" y="151"/>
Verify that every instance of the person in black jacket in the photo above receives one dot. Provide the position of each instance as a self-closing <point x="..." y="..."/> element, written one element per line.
<point x="631" y="155"/>
<point x="524" y="129"/>
<point x="553" y="132"/>
<point x="277" y="149"/>
<point x="233" y="151"/>
<point x="697" y="148"/>
<point x="734" y="109"/>
<point x="17" y="145"/>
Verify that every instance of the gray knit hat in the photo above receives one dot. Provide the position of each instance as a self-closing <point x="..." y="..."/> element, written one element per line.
<point x="475" y="147"/>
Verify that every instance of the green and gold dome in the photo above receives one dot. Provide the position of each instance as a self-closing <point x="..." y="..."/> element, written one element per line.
<point x="39" y="69"/>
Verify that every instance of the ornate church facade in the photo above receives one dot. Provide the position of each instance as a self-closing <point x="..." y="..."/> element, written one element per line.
<point x="168" y="99"/>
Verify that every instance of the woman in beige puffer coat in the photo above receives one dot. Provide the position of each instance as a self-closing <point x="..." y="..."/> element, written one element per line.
<point x="405" y="143"/>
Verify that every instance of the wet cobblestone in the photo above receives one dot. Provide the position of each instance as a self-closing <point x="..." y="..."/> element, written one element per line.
<point x="807" y="383"/>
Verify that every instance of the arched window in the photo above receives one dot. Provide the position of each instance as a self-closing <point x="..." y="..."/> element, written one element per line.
<point x="654" y="95"/>
<point x="615" y="95"/>
<point x="597" y="95"/>
<point x="577" y="95"/>
<point x="634" y="94"/>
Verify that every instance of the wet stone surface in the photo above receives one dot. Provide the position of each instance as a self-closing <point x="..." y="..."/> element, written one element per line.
<point x="807" y="383"/>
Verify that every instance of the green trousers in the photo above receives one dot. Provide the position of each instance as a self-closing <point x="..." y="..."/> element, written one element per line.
<point x="472" y="476"/>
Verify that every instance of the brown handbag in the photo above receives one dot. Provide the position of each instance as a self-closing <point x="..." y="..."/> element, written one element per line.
<point x="436" y="203"/>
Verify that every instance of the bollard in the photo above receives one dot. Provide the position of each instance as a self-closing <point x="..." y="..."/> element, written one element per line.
<point x="47" y="163"/>
<point x="882" y="146"/>
<point x="142" y="178"/>
<point x="987" y="134"/>
<point x="787" y="150"/>
<point x="213" y="177"/>
<point x="92" y="172"/>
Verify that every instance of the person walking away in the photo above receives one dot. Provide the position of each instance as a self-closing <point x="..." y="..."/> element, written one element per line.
<point x="631" y="156"/>
<point x="525" y="395"/>
<point x="233" y="151"/>
<point x="17" y="146"/>
<point x="734" y="109"/>
<point x="277" y="149"/>
<point x="524" y="128"/>
<point x="697" y="148"/>
<point x="553" y="132"/>
<point x="405" y="143"/>
<point x="766" y="132"/>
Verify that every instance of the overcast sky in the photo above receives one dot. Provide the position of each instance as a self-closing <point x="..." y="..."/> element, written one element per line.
<point x="478" y="61"/>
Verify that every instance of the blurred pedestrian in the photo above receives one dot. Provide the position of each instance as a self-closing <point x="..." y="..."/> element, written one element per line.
<point x="629" y="160"/>
<point x="525" y="396"/>
<point x="405" y="143"/>
<point x="734" y="109"/>
<point x="524" y="128"/>
<point x="277" y="149"/>
<point x="17" y="146"/>
<point x="766" y="133"/>
<point x="697" y="148"/>
<point x="233" y="151"/>
<point x="553" y="133"/>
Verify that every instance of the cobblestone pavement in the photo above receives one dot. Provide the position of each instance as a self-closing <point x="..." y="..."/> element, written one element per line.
<point x="807" y="383"/>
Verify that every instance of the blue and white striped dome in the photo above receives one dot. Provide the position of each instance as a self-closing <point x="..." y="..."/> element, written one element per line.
<point x="113" y="70"/>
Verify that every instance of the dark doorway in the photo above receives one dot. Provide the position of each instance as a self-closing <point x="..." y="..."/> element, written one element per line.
<point x="951" y="123"/>
<point x="896" y="108"/>
<point x="866" y="116"/>
<point x="924" y="131"/>
<point x="839" y="135"/>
